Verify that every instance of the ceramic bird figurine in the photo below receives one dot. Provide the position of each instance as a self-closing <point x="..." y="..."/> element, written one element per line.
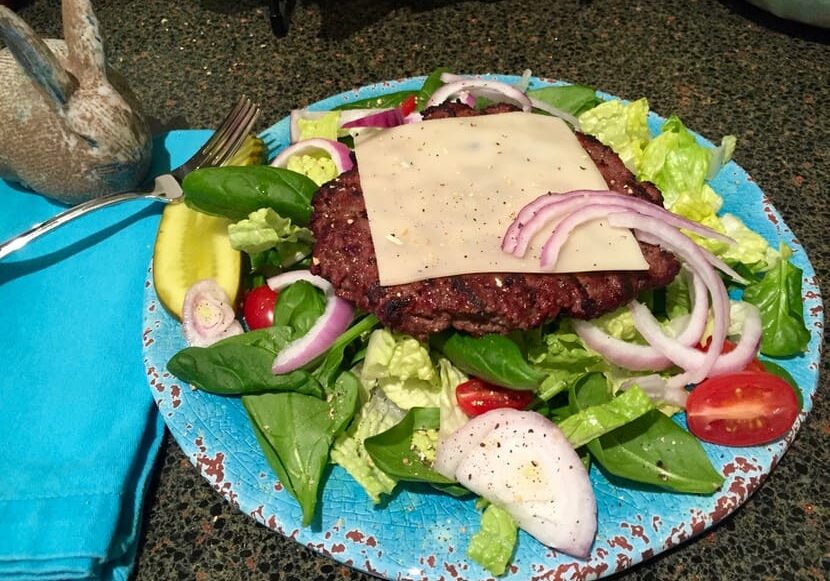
<point x="67" y="129"/>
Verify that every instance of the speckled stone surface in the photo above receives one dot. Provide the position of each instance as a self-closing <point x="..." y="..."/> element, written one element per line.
<point x="723" y="66"/>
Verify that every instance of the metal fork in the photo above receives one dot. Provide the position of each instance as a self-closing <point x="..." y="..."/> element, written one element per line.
<point x="225" y="141"/>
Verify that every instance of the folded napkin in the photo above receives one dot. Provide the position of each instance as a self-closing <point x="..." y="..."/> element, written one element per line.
<point x="79" y="431"/>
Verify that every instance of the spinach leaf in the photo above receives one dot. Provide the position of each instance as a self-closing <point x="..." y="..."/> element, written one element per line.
<point x="652" y="449"/>
<point x="241" y="365"/>
<point x="778" y="298"/>
<point x="594" y="421"/>
<point x="392" y="452"/>
<point x="776" y="369"/>
<point x="380" y="102"/>
<point x="573" y="99"/>
<point x="296" y="432"/>
<point x="298" y="306"/>
<point x="431" y="84"/>
<point x="235" y="192"/>
<point x="493" y="358"/>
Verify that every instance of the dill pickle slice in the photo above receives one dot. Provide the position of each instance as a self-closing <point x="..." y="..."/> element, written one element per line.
<point x="191" y="246"/>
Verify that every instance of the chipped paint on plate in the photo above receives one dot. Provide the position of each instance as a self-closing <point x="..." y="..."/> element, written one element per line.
<point x="421" y="534"/>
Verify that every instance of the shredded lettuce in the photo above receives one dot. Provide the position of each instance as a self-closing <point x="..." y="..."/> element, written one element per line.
<point x="564" y="358"/>
<point x="596" y="420"/>
<point x="492" y="546"/>
<point x="452" y="418"/>
<point x="318" y="168"/>
<point x="268" y="237"/>
<point x="620" y="126"/>
<point x="374" y="417"/>
<point x="401" y="367"/>
<point x="326" y="126"/>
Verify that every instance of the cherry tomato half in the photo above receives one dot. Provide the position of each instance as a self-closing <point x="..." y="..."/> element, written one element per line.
<point x="746" y="408"/>
<point x="408" y="105"/>
<point x="476" y="397"/>
<point x="728" y="346"/>
<point x="258" y="309"/>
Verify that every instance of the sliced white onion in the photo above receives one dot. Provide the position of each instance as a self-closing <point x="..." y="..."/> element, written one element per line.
<point x="346" y="116"/>
<point x="335" y="319"/>
<point x="492" y="90"/>
<point x="563" y="115"/>
<point x="339" y="153"/>
<point x="523" y="463"/>
<point x="207" y="315"/>
<point x="548" y="207"/>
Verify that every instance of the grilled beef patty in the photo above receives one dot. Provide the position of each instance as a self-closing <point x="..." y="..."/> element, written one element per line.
<point x="475" y="303"/>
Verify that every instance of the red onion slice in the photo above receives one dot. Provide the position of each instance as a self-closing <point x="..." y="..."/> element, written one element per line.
<point x="563" y="115"/>
<point x="533" y="217"/>
<point x="207" y="315"/>
<point x="339" y="153"/>
<point x="713" y="260"/>
<point x="335" y="319"/>
<point x="383" y="119"/>
<point x="675" y="241"/>
<point x="689" y="358"/>
<point x="627" y="355"/>
<point x="551" y="248"/>
<point x="645" y="357"/>
<point x="493" y="90"/>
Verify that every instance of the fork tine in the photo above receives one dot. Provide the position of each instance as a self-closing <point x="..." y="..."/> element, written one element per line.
<point x="207" y="153"/>
<point x="237" y="136"/>
<point x="218" y="138"/>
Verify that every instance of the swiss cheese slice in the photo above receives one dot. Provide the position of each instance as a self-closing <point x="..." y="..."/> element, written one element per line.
<point x="440" y="194"/>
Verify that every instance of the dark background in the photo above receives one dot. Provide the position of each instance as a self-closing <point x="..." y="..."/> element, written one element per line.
<point x="723" y="66"/>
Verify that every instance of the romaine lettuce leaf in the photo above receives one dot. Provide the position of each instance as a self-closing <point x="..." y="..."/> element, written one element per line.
<point x="265" y="232"/>
<point x="620" y="126"/>
<point x="376" y="416"/>
<point x="492" y="546"/>
<point x="401" y="366"/>
<point x="325" y="127"/>
<point x="318" y="168"/>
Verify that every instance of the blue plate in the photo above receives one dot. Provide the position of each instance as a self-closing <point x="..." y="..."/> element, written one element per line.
<point x="419" y="533"/>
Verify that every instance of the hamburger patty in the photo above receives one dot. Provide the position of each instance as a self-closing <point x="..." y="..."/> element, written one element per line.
<point x="475" y="303"/>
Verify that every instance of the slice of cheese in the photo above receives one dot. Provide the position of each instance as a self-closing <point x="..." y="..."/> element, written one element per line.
<point x="440" y="195"/>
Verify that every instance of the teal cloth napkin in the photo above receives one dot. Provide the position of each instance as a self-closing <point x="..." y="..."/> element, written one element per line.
<point x="79" y="430"/>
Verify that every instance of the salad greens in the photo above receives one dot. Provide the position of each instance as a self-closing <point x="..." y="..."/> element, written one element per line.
<point x="298" y="430"/>
<point x="778" y="298"/>
<point x="377" y="402"/>
<point x="496" y="359"/>
<point x="241" y="364"/>
<point x="573" y="99"/>
<point x="652" y="449"/>
<point x="270" y="239"/>
<point x="493" y="544"/>
<point x="235" y="192"/>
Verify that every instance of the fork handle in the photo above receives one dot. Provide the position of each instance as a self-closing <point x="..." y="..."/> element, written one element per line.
<point x="158" y="193"/>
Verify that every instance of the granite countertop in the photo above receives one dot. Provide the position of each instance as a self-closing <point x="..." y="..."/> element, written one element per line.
<point x="723" y="66"/>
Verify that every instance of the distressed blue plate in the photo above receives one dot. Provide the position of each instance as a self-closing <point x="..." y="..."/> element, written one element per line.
<point x="421" y="534"/>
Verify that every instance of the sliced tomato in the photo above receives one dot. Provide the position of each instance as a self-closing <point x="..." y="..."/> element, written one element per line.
<point x="258" y="309"/>
<point x="747" y="408"/>
<point x="408" y="105"/>
<point x="728" y="346"/>
<point x="476" y="397"/>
